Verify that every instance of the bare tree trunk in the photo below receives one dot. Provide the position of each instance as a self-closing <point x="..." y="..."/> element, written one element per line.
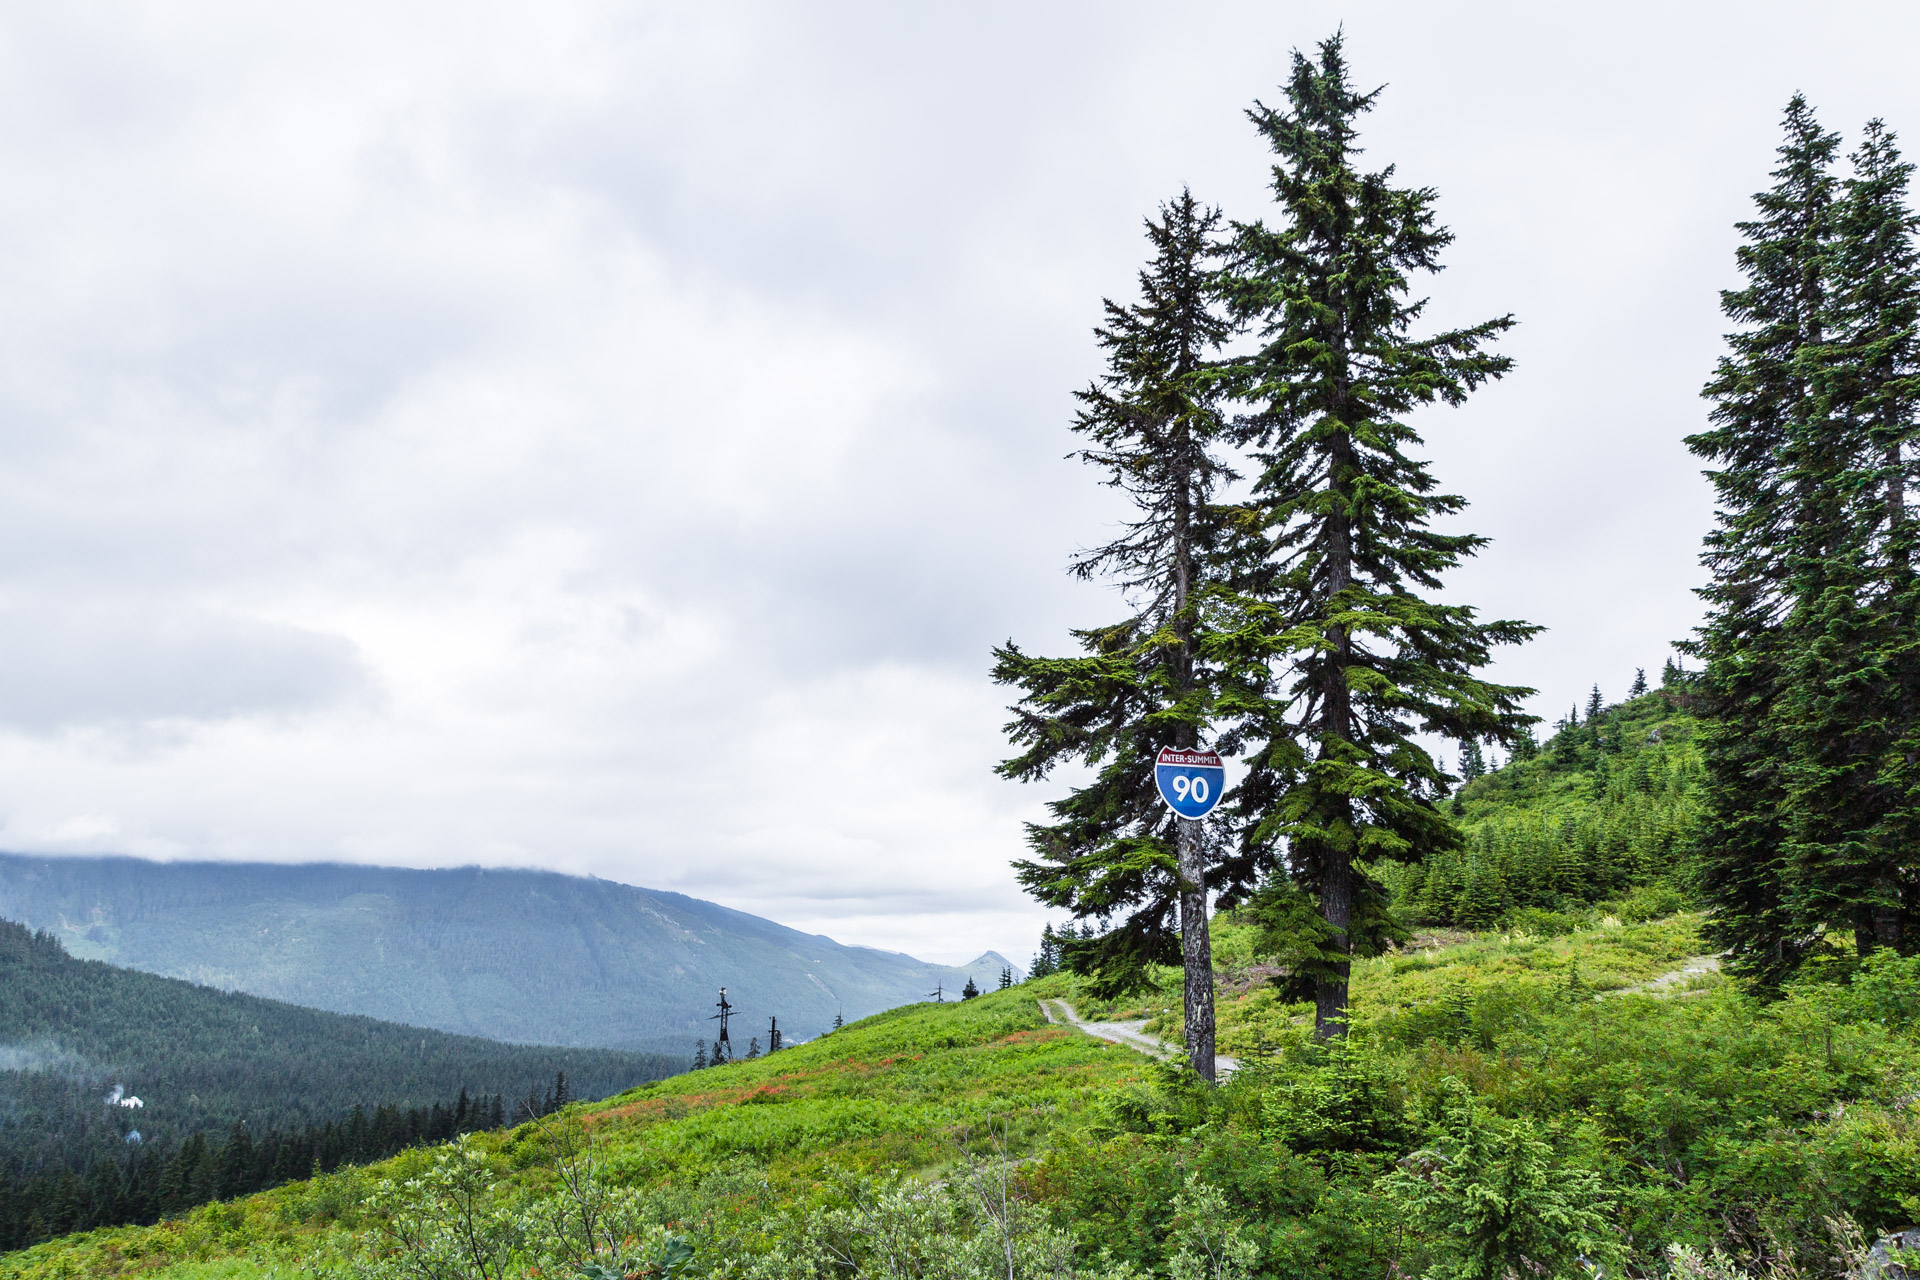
<point x="1196" y="946"/>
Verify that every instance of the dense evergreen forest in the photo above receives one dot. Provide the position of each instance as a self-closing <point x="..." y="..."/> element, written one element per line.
<point x="124" y="1095"/>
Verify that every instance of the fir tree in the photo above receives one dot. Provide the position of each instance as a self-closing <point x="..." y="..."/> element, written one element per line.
<point x="1852" y="676"/>
<point x="1112" y="848"/>
<point x="1639" y="686"/>
<point x="1046" y="961"/>
<point x="753" y="1048"/>
<point x="1762" y="398"/>
<point x="1473" y="762"/>
<point x="1006" y="977"/>
<point x="699" y="1055"/>
<point x="1342" y="517"/>
<point x="1594" y="705"/>
<point x="838" y="1020"/>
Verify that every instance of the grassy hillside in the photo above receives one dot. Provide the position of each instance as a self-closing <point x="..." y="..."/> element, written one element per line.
<point x="512" y="955"/>
<point x="1605" y="810"/>
<point x="1605" y="1122"/>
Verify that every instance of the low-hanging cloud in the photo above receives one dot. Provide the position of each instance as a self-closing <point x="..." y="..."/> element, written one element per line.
<point x="109" y="663"/>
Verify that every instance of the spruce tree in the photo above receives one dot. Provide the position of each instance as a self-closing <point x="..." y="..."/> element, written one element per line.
<point x="1342" y="516"/>
<point x="1762" y="396"/>
<point x="1639" y="685"/>
<point x="1144" y="682"/>
<point x="971" y="990"/>
<point x="1594" y="705"/>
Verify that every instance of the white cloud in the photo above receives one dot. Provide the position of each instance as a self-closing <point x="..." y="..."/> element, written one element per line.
<point x="610" y="437"/>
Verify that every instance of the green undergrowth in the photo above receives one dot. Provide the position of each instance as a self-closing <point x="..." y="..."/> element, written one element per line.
<point x="1522" y="1104"/>
<point x="900" y="1090"/>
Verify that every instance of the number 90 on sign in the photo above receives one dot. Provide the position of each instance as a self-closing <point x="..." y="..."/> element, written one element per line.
<point x="1190" y="787"/>
<point x="1190" y="780"/>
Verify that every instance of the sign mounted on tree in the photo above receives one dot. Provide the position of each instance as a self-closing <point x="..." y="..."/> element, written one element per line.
<point x="1190" y="780"/>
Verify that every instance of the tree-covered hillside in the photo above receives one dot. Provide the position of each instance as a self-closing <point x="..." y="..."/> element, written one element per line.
<point x="1605" y="808"/>
<point x="78" y="1038"/>
<point x="531" y="956"/>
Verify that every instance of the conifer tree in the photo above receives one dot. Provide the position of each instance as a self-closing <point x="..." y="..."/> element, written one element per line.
<point x="1473" y="762"/>
<point x="1342" y="516"/>
<point x="1762" y="394"/>
<point x="1046" y="961"/>
<point x="1639" y="685"/>
<point x="1847" y="719"/>
<point x="1594" y="705"/>
<point x="969" y="991"/>
<point x="1113" y="849"/>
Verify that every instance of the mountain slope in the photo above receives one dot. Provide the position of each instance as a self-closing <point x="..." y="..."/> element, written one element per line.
<point x="199" y="1060"/>
<point x="1603" y="809"/>
<point x="514" y="955"/>
<point x="1681" y="1116"/>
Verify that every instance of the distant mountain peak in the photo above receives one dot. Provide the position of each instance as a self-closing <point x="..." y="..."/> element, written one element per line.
<point x="523" y="955"/>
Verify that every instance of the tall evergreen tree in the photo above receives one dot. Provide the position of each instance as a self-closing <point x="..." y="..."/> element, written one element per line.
<point x="1594" y="705"/>
<point x="1112" y="848"/>
<point x="1639" y="685"/>
<point x="1847" y="721"/>
<point x="1762" y="396"/>
<point x="1343" y="520"/>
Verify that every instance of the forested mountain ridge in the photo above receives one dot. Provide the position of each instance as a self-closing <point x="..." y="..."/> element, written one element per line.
<point x="1605" y="807"/>
<point x="515" y="955"/>
<point x="199" y="1061"/>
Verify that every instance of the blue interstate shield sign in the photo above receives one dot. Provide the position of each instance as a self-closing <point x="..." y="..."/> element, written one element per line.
<point x="1190" y="781"/>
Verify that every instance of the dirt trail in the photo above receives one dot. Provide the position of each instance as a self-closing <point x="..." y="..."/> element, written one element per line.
<point x="1664" y="984"/>
<point x="1131" y="1034"/>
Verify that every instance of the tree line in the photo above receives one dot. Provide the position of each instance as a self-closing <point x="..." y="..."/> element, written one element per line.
<point x="149" y="1182"/>
<point x="1607" y="806"/>
<point x="1811" y="642"/>
<point x="127" y="1091"/>
<point x="1281" y="576"/>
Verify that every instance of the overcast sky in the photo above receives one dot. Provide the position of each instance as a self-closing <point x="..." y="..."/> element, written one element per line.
<point x="610" y="437"/>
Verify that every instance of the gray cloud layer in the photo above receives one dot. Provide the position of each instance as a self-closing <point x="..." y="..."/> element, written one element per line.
<point x="609" y="437"/>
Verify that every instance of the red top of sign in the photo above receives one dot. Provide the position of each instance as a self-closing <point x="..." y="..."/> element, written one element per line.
<point x="1191" y="757"/>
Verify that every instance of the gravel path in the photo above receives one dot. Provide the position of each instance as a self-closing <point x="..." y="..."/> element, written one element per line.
<point x="1131" y="1034"/>
<point x="1664" y="984"/>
